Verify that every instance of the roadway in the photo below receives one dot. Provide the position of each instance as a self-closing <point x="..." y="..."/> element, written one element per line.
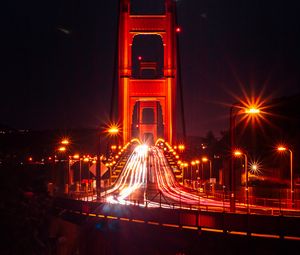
<point x="148" y="179"/>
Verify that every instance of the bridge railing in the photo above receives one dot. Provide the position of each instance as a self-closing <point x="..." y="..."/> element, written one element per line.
<point x="257" y="205"/>
<point x="279" y="226"/>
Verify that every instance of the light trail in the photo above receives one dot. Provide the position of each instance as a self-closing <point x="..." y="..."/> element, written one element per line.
<point x="148" y="177"/>
<point x="148" y="164"/>
<point x="132" y="177"/>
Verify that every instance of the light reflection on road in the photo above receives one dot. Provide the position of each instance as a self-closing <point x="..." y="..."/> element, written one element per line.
<point x="148" y="166"/>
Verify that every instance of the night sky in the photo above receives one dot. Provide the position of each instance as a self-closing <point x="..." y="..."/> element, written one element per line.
<point x="58" y="58"/>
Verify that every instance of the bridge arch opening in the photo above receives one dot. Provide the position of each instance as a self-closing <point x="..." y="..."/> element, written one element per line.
<point x="147" y="56"/>
<point x="147" y="117"/>
<point x="155" y="7"/>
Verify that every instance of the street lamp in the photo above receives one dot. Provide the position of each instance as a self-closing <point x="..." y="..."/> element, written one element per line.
<point x="205" y="159"/>
<point x="76" y="158"/>
<point x="184" y="165"/>
<point x="113" y="130"/>
<point x="250" y="111"/>
<point x="62" y="150"/>
<point x="65" y="141"/>
<point x="238" y="153"/>
<point x="193" y="163"/>
<point x="181" y="147"/>
<point x="283" y="149"/>
<point x="98" y="167"/>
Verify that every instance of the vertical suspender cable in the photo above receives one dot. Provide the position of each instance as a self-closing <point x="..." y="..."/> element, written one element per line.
<point x="115" y="69"/>
<point x="180" y="78"/>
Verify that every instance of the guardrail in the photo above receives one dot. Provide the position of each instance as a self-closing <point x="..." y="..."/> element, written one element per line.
<point x="281" y="227"/>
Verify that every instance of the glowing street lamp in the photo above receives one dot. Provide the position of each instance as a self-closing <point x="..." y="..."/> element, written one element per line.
<point x="65" y="141"/>
<point x="238" y="153"/>
<point x="62" y="149"/>
<point x="250" y="111"/>
<point x="205" y="159"/>
<point x="283" y="149"/>
<point x="184" y="165"/>
<point x="193" y="163"/>
<point x="113" y="130"/>
<point x="254" y="168"/>
<point x="181" y="147"/>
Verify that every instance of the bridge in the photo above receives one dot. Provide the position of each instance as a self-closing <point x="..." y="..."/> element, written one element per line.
<point x="143" y="172"/>
<point x="145" y="180"/>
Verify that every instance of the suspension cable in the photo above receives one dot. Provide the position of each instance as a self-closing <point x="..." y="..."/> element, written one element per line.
<point x="180" y="77"/>
<point x="115" y="70"/>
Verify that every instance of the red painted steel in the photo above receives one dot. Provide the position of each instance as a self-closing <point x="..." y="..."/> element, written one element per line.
<point x="132" y="90"/>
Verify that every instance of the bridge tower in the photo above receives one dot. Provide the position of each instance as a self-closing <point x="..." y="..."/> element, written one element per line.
<point x="141" y="95"/>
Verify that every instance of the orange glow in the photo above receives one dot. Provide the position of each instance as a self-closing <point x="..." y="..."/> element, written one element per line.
<point x="252" y="110"/>
<point x="30" y="159"/>
<point x="113" y="130"/>
<point x="181" y="147"/>
<point x="76" y="156"/>
<point x="204" y="159"/>
<point x="281" y="148"/>
<point x="65" y="141"/>
<point x="237" y="153"/>
<point x="62" y="149"/>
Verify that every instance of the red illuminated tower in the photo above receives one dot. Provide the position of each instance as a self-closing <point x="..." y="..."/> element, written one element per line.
<point x="139" y="95"/>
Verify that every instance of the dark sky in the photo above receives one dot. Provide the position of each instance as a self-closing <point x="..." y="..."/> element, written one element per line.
<point x="57" y="59"/>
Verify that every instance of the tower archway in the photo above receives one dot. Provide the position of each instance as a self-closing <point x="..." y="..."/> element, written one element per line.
<point x="137" y="91"/>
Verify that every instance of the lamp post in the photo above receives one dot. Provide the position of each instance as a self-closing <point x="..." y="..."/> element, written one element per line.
<point x="205" y="159"/>
<point x="193" y="163"/>
<point x="184" y="165"/>
<point x="113" y="131"/>
<point x="63" y="148"/>
<point x="238" y="153"/>
<point x="76" y="158"/>
<point x="98" y="167"/>
<point x="282" y="149"/>
<point x="251" y="111"/>
<point x="87" y="161"/>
